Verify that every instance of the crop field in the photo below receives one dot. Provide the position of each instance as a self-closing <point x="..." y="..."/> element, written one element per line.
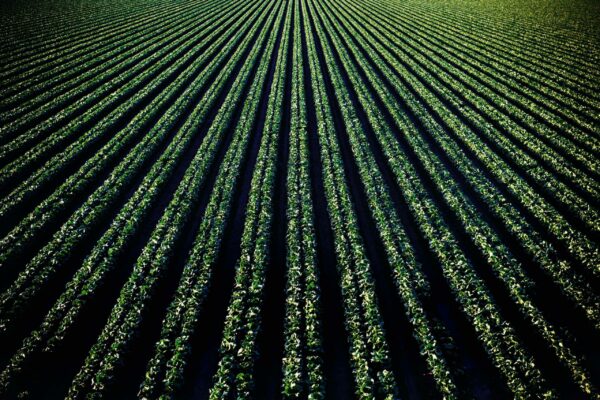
<point x="300" y="199"/>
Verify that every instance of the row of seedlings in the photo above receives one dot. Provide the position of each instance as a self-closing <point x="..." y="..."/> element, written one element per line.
<point x="14" y="93"/>
<point x="112" y="101"/>
<point x="63" y="88"/>
<point x="435" y="117"/>
<point x="574" y="52"/>
<point x="117" y="147"/>
<point x="165" y="370"/>
<point x="369" y="354"/>
<point x="579" y="243"/>
<point x="539" y="55"/>
<point x="557" y="115"/>
<point x="485" y="238"/>
<point x="127" y="223"/>
<point x="513" y="138"/>
<point x="100" y="203"/>
<point x="303" y="375"/>
<point x="498" y="336"/>
<point x="513" y="53"/>
<point x="535" y="137"/>
<point x="99" y="367"/>
<point x="408" y="275"/>
<point x="50" y="50"/>
<point x="235" y="372"/>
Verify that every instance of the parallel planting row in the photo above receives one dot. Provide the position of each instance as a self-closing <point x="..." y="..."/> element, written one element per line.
<point x="299" y="199"/>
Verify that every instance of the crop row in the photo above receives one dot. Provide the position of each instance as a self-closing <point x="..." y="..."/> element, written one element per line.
<point x="66" y="86"/>
<point x="81" y="181"/>
<point x="440" y="120"/>
<point x="49" y="52"/>
<point x="302" y="360"/>
<point x="489" y="243"/>
<point x="529" y="167"/>
<point x="425" y="170"/>
<point x="410" y="280"/>
<point x="519" y="62"/>
<point x="127" y="315"/>
<point x="524" y="173"/>
<point x="21" y="28"/>
<point x="104" y="256"/>
<point x="558" y="114"/>
<point x="104" y="104"/>
<point x="91" y="213"/>
<point x="235" y="373"/>
<point x="369" y="352"/>
<point x="573" y="68"/>
<point x="471" y="292"/>
<point x="548" y="146"/>
<point x="68" y="117"/>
